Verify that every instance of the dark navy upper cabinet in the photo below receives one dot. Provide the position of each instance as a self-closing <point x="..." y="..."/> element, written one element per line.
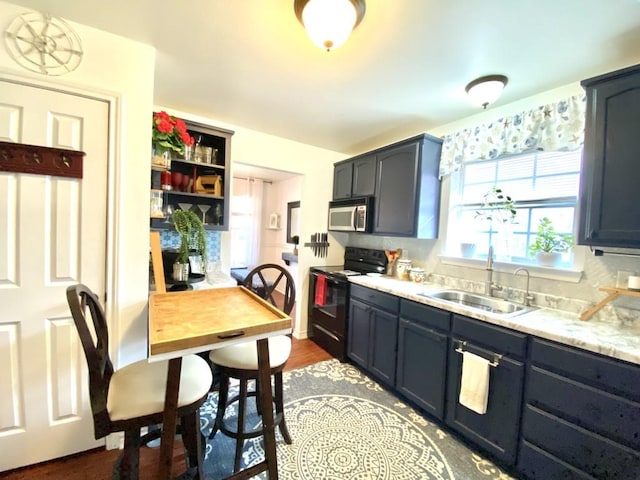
<point x="407" y="198"/>
<point x="355" y="177"/>
<point x="582" y="416"/>
<point x="373" y="332"/>
<point x="403" y="178"/>
<point x="609" y="214"/>
<point x="342" y="179"/>
<point x="364" y="176"/>
<point x="422" y="355"/>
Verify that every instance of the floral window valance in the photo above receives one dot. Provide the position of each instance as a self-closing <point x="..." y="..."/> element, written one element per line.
<point x="553" y="127"/>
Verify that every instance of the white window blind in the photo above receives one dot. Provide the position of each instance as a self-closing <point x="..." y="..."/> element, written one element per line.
<point x="542" y="184"/>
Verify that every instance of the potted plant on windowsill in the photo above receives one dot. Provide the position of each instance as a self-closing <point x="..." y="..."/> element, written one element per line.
<point x="549" y="245"/>
<point x="500" y="210"/>
<point x="192" y="241"/>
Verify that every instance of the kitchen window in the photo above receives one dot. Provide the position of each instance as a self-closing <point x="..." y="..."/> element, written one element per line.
<point x="542" y="184"/>
<point x="246" y="221"/>
<point x="241" y="228"/>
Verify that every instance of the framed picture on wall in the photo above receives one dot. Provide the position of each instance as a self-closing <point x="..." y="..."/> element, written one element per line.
<point x="274" y="221"/>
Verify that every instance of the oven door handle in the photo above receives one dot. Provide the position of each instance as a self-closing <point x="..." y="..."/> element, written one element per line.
<point x="333" y="281"/>
<point x="326" y="332"/>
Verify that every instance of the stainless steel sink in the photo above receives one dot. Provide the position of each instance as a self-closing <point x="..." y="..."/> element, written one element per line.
<point x="495" y="306"/>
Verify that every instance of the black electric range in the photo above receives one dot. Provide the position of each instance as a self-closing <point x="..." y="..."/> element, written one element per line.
<point x="329" y="296"/>
<point x="357" y="261"/>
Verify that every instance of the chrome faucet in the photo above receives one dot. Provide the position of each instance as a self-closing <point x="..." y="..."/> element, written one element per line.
<point x="528" y="298"/>
<point x="489" y="286"/>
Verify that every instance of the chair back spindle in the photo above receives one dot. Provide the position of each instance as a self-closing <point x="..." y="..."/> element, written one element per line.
<point x="259" y="281"/>
<point x="81" y="300"/>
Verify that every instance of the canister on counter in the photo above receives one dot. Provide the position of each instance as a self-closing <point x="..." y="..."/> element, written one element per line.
<point x="417" y="275"/>
<point x="402" y="269"/>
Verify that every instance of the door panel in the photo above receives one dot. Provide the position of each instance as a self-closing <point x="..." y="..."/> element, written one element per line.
<point x="396" y="190"/>
<point x="382" y="351"/>
<point x="53" y="234"/>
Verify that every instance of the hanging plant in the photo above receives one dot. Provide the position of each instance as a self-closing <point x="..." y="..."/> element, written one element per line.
<point x="192" y="235"/>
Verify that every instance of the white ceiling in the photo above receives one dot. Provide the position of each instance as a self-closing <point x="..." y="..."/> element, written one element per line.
<point x="403" y="71"/>
<point x="244" y="170"/>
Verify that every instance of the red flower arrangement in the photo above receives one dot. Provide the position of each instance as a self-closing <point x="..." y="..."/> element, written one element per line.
<point x="170" y="133"/>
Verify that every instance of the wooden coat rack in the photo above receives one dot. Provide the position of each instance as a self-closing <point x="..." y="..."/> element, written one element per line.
<point x="39" y="160"/>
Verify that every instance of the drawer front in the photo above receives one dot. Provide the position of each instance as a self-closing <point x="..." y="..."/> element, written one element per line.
<point x="335" y="325"/>
<point x="497" y="339"/>
<point x="609" y="415"/>
<point x="536" y="464"/>
<point x="328" y="341"/>
<point x="608" y="374"/>
<point x="425" y="315"/>
<point x="589" y="452"/>
<point x="385" y="301"/>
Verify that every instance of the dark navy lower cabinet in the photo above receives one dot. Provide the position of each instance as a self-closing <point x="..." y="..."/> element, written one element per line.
<point x="373" y="332"/>
<point x="577" y="416"/>
<point x="496" y="431"/>
<point x="358" y="332"/>
<point x="382" y="347"/>
<point x="582" y="416"/>
<point x="422" y="356"/>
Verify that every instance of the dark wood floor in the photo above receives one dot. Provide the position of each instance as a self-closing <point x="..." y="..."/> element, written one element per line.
<point x="97" y="464"/>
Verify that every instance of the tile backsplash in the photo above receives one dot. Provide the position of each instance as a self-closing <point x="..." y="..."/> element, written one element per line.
<point x="170" y="239"/>
<point x="560" y="295"/>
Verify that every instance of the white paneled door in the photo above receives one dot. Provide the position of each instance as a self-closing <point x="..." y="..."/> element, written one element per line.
<point x="52" y="234"/>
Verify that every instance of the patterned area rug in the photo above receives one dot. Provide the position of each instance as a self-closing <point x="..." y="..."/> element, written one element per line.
<point x="345" y="426"/>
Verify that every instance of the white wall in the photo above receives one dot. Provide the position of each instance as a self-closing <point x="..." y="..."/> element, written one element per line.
<point x="123" y="70"/>
<point x="119" y="70"/>
<point x="315" y="165"/>
<point x="277" y="195"/>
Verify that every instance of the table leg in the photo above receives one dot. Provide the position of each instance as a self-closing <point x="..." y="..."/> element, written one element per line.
<point x="169" y="419"/>
<point x="266" y="399"/>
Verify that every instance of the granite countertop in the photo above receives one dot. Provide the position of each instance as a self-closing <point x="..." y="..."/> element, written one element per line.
<point x="617" y="341"/>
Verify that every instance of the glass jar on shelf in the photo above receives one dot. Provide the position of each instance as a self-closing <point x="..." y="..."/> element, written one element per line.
<point x="156" y="204"/>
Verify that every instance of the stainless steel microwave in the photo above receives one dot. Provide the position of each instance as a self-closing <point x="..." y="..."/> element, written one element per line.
<point x="353" y="215"/>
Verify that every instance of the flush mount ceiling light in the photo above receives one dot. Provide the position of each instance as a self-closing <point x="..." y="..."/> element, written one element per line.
<point x="329" y="22"/>
<point x="486" y="90"/>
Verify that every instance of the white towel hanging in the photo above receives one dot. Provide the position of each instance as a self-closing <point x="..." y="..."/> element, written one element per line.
<point x="474" y="384"/>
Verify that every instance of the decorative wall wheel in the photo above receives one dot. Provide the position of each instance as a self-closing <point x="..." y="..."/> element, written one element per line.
<point x="44" y="44"/>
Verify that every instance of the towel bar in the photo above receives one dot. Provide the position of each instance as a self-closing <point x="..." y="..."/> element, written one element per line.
<point x="496" y="356"/>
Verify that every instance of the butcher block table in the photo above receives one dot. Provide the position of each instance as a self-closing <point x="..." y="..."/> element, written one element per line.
<point x="182" y="323"/>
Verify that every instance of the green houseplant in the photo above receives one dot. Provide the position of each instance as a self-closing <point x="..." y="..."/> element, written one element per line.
<point x="192" y="239"/>
<point x="549" y="244"/>
<point x="498" y="209"/>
